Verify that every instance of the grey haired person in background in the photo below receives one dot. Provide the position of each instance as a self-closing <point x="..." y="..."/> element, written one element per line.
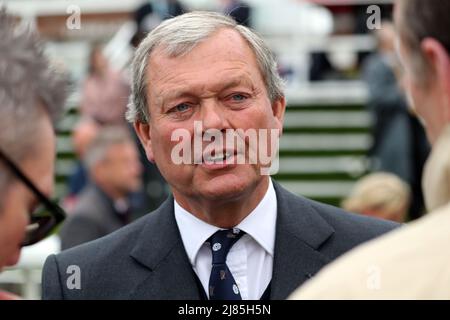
<point x="32" y="96"/>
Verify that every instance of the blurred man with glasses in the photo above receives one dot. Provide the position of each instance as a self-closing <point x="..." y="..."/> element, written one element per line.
<point x="31" y="99"/>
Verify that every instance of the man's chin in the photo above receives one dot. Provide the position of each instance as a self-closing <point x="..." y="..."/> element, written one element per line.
<point x="226" y="187"/>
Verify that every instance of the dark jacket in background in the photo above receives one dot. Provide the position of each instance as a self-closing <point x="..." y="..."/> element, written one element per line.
<point x="94" y="216"/>
<point x="400" y="144"/>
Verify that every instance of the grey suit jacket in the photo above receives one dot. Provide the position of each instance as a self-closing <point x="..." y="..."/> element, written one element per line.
<point x="93" y="217"/>
<point x="147" y="260"/>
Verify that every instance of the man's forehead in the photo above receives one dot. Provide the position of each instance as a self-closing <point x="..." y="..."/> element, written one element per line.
<point x="223" y="41"/>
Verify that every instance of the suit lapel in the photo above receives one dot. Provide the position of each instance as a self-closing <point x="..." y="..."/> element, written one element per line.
<point x="300" y="231"/>
<point x="168" y="273"/>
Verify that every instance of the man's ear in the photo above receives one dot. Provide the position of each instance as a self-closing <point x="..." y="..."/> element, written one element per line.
<point x="144" y="135"/>
<point x="439" y="61"/>
<point x="278" y="109"/>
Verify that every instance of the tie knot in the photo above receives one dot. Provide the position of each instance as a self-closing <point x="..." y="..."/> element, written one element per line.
<point x="221" y="243"/>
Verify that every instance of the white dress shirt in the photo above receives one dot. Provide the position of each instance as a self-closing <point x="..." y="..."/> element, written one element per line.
<point x="250" y="259"/>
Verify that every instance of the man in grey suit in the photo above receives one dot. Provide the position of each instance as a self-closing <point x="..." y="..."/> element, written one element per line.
<point x="105" y="204"/>
<point x="228" y="231"/>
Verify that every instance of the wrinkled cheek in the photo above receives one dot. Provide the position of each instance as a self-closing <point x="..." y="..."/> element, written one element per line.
<point x="166" y="158"/>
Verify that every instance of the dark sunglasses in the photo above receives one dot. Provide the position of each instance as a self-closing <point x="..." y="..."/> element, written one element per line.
<point x="42" y="222"/>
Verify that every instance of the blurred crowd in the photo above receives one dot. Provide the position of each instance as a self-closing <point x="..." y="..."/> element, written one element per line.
<point x="113" y="183"/>
<point x="398" y="152"/>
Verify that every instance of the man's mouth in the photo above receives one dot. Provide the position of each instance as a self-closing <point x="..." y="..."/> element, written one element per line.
<point x="220" y="157"/>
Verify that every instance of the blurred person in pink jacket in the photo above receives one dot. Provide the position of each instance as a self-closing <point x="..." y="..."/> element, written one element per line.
<point x="105" y="91"/>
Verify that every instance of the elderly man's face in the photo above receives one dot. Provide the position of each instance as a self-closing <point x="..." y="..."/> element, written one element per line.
<point x="219" y="84"/>
<point x="18" y="201"/>
<point x="121" y="169"/>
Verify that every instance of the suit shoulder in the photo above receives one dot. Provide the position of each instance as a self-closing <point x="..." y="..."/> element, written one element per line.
<point x="108" y="246"/>
<point x="343" y="230"/>
<point x="101" y="262"/>
<point x="335" y="217"/>
<point x="352" y="223"/>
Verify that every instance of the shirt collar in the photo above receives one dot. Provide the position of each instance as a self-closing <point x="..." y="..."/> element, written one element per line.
<point x="194" y="232"/>
<point x="259" y="224"/>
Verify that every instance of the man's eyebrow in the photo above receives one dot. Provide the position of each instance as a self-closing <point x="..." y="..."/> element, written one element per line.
<point x="184" y="91"/>
<point x="237" y="81"/>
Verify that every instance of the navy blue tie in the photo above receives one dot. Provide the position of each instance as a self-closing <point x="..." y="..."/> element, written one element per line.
<point x="222" y="285"/>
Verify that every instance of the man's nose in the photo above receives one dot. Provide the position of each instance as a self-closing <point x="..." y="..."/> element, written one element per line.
<point x="213" y="115"/>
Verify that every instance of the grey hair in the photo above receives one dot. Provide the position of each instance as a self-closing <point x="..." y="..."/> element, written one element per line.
<point x="108" y="136"/>
<point x="179" y="36"/>
<point x="29" y="89"/>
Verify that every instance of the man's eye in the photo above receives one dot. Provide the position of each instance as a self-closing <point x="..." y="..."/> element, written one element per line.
<point x="181" y="107"/>
<point x="238" y="97"/>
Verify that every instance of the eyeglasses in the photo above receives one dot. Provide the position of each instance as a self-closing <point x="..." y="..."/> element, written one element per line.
<point x="42" y="222"/>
